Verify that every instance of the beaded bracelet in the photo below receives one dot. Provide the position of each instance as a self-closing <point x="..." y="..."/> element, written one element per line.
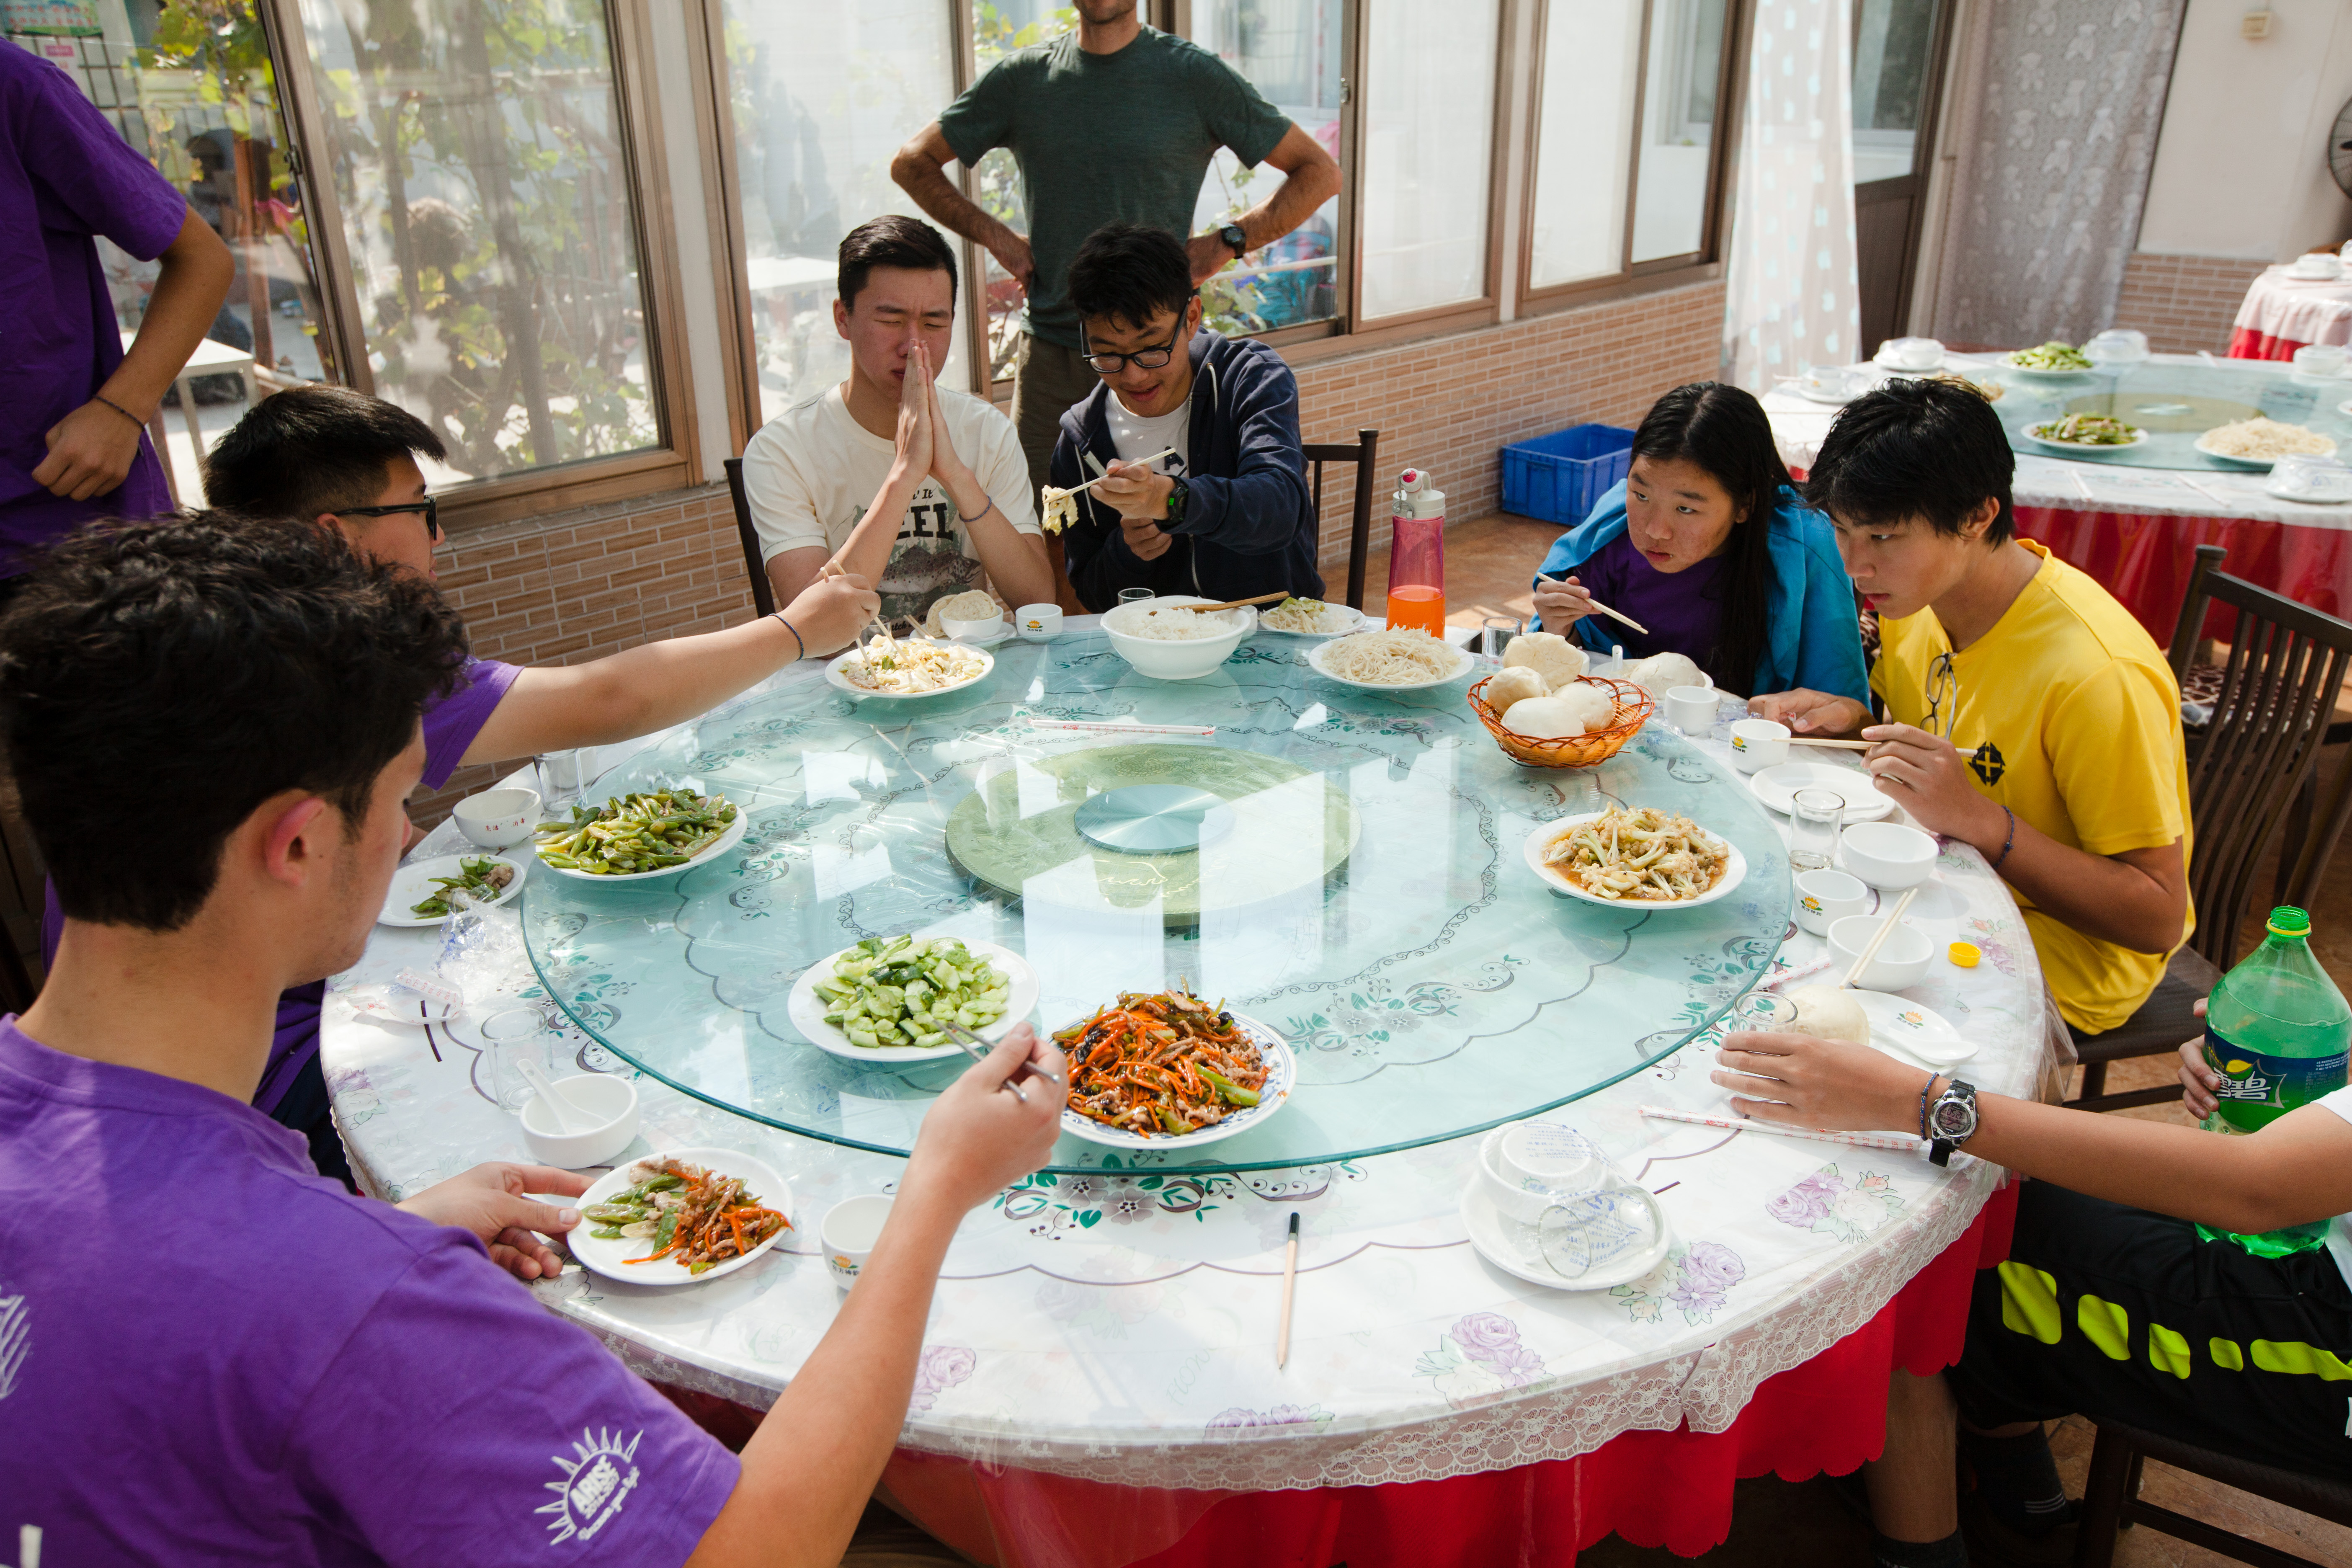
<point x="777" y="617"/>
<point x="101" y="397"/>
<point x="987" y="503"/>
<point x="2009" y="843"/>
<point x="1925" y="1090"/>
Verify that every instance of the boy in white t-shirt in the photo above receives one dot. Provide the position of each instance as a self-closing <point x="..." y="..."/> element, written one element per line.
<point x="921" y="490"/>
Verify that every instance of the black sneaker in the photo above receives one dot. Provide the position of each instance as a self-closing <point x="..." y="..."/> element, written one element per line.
<point x="1993" y="1543"/>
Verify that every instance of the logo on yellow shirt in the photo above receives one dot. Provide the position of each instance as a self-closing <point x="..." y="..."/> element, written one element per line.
<point x="1987" y="764"/>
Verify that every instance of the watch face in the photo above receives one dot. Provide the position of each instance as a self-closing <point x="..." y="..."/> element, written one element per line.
<point x="1951" y="1118"/>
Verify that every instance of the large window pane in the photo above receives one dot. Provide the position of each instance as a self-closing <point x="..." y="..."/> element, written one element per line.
<point x="1891" y="41"/>
<point x="1290" y="52"/>
<point x="998" y="29"/>
<point x="1677" y="127"/>
<point x="823" y="95"/>
<point x="476" y="149"/>
<point x="1428" y="132"/>
<point x="1583" y="148"/>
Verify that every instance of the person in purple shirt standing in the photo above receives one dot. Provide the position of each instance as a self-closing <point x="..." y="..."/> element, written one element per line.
<point x="208" y="1353"/>
<point x="73" y="406"/>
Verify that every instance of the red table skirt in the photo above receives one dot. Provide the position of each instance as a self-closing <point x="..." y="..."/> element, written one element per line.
<point x="2145" y="560"/>
<point x="1670" y="1488"/>
<point x="2247" y="342"/>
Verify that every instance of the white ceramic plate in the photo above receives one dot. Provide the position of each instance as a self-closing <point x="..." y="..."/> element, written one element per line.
<point x="2272" y="490"/>
<point x="1356" y="622"/>
<point x="2034" y="433"/>
<point x="1464" y="663"/>
<point x="1512" y="1247"/>
<point x="717" y="847"/>
<point x="1281" y="1080"/>
<point x="807" y="1010"/>
<point x="2262" y="464"/>
<point x="1883" y="362"/>
<point x="413" y="883"/>
<point x="1541" y="839"/>
<point x="610" y="1258"/>
<point x="1777" y="787"/>
<point x="1900" y="1027"/>
<point x="1814" y="395"/>
<point x="840" y="682"/>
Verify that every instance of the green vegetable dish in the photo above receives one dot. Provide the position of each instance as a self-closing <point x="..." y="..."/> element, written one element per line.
<point x="901" y="992"/>
<point x="2051" y="356"/>
<point x="479" y="878"/>
<point x="2085" y="430"/>
<point x="646" y="831"/>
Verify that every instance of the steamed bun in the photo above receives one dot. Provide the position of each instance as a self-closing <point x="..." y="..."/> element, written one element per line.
<point x="1513" y="685"/>
<point x="1579" y="708"/>
<point x="1661" y="672"/>
<point x="1548" y="654"/>
<point x="1830" y="1012"/>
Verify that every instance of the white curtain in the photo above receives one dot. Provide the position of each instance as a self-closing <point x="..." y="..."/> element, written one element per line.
<point x="1795" y="297"/>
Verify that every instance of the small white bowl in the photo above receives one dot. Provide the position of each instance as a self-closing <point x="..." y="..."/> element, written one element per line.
<point x="1903" y="958"/>
<point x="498" y="818"/>
<point x="1692" y="710"/>
<point x="1887" y="855"/>
<point x="972" y="631"/>
<point x="848" y="1234"/>
<point x="610" y="1102"/>
<point x="1824" y="898"/>
<point x="2320" y="359"/>
<point x="1532" y="1165"/>
<point x="1757" y="744"/>
<point x="1189" y="660"/>
<point x="1038" y="623"/>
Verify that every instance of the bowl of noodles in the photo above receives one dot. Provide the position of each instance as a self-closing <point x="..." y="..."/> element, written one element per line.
<point x="1398" y="658"/>
<point x="1166" y="641"/>
<point x="1631" y="707"/>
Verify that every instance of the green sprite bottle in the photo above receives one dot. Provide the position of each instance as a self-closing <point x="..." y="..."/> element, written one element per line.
<point x="2277" y="1030"/>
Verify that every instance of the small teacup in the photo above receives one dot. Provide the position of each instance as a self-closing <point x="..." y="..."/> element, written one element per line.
<point x="1828" y="381"/>
<point x="2320" y="360"/>
<point x="1758" y="743"/>
<point x="1531" y="1166"/>
<point x="1692" y="708"/>
<point x="1038" y="623"/>
<point x="974" y="630"/>
<point x="498" y="818"/>
<point x="1913" y="353"/>
<point x="1826" y="896"/>
<point x="848" y="1232"/>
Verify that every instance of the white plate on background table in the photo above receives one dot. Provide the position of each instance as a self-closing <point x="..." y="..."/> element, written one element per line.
<point x="1356" y="621"/>
<point x="703" y="856"/>
<point x="1544" y="837"/>
<point x="2254" y="464"/>
<point x="1816" y="394"/>
<point x="1901" y="1027"/>
<point x="1512" y="1246"/>
<point x="610" y="1258"/>
<point x="1777" y="787"/>
<point x="411" y="884"/>
<point x="840" y="682"/>
<point x="807" y="1010"/>
<point x="2034" y="433"/>
<point x="1466" y="663"/>
<point x="1281" y="1078"/>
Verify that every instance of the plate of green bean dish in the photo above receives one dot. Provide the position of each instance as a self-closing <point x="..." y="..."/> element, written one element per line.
<point x="882" y="1001"/>
<point x="419" y="893"/>
<point x="2080" y="430"/>
<point x="642" y="835"/>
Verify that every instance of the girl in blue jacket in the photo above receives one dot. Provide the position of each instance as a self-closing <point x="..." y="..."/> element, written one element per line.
<point x="1707" y="544"/>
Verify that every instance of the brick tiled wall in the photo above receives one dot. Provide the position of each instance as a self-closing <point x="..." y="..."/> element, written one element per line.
<point x="2183" y="302"/>
<point x="580" y="585"/>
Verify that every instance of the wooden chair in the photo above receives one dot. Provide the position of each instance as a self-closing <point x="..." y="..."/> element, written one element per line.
<point x="2248" y="766"/>
<point x="2111" y="1497"/>
<point x="764" y="593"/>
<point x="1361" y="452"/>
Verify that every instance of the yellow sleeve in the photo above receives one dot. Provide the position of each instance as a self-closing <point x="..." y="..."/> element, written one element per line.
<point x="2116" y="757"/>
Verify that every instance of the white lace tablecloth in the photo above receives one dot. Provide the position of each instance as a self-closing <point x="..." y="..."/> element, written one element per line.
<point x="2300" y="309"/>
<point x="1122" y="1330"/>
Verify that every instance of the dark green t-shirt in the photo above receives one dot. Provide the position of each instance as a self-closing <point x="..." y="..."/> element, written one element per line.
<point x="1104" y="138"/>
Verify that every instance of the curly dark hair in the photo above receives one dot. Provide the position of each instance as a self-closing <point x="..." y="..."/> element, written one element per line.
<point x="206" y="662"/>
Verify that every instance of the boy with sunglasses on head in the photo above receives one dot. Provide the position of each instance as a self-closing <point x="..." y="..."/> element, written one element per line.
<point x="2034" y="717"/>
<point x="1227" y="515"/>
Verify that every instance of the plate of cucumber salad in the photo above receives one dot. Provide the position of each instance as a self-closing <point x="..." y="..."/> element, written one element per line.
<point x="883" y="1000"/>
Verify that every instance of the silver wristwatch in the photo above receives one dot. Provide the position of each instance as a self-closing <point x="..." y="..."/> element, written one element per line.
<point x="1951" y="1121"/>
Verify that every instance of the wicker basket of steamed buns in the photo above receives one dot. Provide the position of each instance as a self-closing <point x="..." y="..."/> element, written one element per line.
<point x="1546" y="712"/>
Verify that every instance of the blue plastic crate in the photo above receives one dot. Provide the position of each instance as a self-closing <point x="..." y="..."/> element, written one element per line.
<point x="1556" y="478"/>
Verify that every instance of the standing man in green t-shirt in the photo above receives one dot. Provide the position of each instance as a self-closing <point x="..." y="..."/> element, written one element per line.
<point x="1116" y="122"/>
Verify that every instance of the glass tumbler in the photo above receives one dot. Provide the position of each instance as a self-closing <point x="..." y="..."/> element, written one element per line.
<point x="1816" y="817"/>
<point x="1494" y="635"/>
<point x="1134" y="595"/>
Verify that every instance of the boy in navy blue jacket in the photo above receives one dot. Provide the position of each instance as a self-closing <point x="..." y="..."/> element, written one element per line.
<point x="1226" y="513"/>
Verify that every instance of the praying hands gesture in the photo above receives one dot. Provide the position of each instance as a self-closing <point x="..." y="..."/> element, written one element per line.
<point x="488" y="1201"/>
<point x="924" y="448"/>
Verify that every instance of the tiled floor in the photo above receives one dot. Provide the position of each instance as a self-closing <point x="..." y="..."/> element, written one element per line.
<point x="1489" y="564"/>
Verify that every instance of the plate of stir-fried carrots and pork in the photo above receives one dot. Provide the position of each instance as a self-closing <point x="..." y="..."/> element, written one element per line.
<point x="680" y="1217"/>
<point x="1157" y="1069"/>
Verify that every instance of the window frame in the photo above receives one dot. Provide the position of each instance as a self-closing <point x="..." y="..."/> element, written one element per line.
<point x="674" y="462"/>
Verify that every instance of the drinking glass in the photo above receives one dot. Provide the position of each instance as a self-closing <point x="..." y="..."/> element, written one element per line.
<point x="1496" y="635"/>
<point x="1815" y="818"/>
<point x="1133" y="596"/>
<point x="561" y="777"/>
<point x="507" y="1037"/>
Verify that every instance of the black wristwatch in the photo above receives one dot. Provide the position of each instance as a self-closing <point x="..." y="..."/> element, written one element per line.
<point x="1950" y="1122"/>
<point x="1234" y="239"/>
<point x="1177" y="495"/>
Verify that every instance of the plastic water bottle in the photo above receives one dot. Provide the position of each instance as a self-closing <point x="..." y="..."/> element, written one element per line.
<point x="2277" y="1030"/>
<point x="1417" y="555"/>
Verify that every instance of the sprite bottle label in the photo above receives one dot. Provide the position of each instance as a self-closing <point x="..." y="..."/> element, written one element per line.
<point x="2258" y="1087"/>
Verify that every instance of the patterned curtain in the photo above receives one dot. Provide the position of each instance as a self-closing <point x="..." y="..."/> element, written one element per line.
<point x="2057" y="104"/>
<point x="1794" y="295"/>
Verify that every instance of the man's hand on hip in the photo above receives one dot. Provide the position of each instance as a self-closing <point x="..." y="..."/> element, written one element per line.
<point x="1013" y="255"/>
<point x="1208" y="254"/>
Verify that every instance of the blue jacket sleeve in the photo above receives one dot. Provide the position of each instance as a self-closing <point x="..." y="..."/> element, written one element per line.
<point x="1829" y="650"/>
<point x="1256" y="512"/>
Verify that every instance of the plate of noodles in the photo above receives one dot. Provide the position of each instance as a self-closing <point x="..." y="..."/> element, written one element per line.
<point x="1311" y="619"/>
<point x="1150" y="1071"/>
<point x="908" y="667"/>
<point x="1640" y="857"/>
<point x="1399" y="658"/>
<point x="2258" y="443"/>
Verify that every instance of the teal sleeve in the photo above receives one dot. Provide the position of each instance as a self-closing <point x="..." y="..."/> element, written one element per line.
<point x="982" y="120"/>
<point x="1829" y="645"/>
<point x="1237" y="115"/>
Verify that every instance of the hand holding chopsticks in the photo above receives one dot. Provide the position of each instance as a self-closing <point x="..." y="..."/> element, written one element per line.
<point x="977" y="1050"/>
<point x="1131" y="462"/>
<point x="1570" y="587"/>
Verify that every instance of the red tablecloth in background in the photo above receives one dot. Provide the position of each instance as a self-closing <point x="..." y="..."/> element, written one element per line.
<point x="1671" y="1489"/>
<point x="2145" y="560"/>
<point x="2250" y="342"/>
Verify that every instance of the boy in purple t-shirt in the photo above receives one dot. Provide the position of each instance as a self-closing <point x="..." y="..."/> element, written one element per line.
<point x="209" y="1354"/>
<point x="73" y="421"/>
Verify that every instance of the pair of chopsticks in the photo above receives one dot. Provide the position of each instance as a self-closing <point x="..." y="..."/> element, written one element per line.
<point x="1603" y="609"/>
<point x="1878" y="938"/>
<point x="1106" y="727"/>
<point x="1840" y="746"/>
<point x="835" y="569"/>
<point x="972" y="1046"/>
<point x="1099" y="478"/>
<point x="1817" y="1135"/>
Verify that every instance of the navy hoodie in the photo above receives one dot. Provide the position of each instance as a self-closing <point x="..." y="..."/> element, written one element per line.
<point x="1249" y="522"/>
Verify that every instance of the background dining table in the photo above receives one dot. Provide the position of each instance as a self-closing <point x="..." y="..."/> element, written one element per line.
<point x="1098" y="1383"/>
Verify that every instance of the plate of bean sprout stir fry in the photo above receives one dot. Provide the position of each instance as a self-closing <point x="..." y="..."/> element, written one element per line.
<point x="1635" y="856"/>
<point x="1161" y="1068"/>
<point x="648" y="833"/>
<point x="675" y="1218"/>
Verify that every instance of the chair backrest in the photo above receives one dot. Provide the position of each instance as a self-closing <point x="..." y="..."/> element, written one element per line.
<point x="763" y="594"/>
<point x="2247" y="763"/>
<point x="1362" y="452"/>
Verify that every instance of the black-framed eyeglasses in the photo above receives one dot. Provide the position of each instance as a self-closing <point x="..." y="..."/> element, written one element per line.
<point x="1942" y="687"/>
<point x="1150" y="358"/>
<point x="429" y="509"/>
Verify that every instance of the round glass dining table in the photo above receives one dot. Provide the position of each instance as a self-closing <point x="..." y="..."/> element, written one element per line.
<point x="2174" y="401"/>
<point x="1366" y="865"/>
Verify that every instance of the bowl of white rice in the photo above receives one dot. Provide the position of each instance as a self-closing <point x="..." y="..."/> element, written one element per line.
<point x="1167" y="642"/>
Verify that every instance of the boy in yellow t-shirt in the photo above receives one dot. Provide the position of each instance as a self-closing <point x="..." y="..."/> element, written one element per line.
<point x="2033" y="718"/>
